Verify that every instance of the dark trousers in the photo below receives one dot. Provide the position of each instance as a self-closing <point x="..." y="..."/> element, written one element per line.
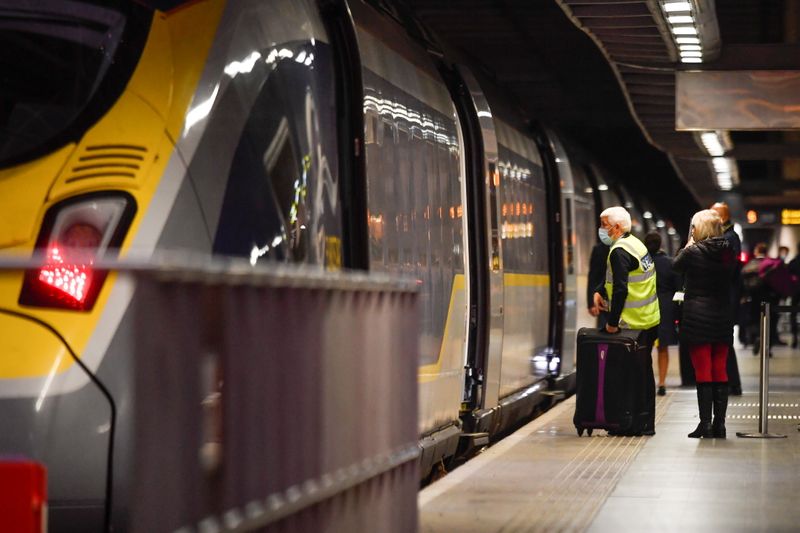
<point x="647" y="394"/>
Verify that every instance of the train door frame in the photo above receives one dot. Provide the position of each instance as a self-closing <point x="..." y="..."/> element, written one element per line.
<point x="352" y="161"/>
<point x="555" y="245"/>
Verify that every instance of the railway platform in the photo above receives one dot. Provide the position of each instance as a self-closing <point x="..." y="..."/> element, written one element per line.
<point x="544" y="477"/>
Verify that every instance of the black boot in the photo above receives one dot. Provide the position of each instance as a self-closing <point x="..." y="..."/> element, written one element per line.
<point x="720" y="393"/>
<point x="704" y="401"/>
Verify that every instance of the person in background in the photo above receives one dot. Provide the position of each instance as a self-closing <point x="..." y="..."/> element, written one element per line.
<point x="735" y="244"/>
<point x="707" y="264"/>
<point x="755" y="291"/>
<point x="794" y="268"/>
<point x="596" y="277"/>
<point x="630" y="289"/>
<point x="667" y="282"/>
<point x="783" y="253"/>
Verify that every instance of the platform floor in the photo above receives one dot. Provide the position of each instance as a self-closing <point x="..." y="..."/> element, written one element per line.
<point x="545" y="478"/>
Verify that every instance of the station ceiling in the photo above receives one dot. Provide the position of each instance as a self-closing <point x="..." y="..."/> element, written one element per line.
<point x="569" y="63"/>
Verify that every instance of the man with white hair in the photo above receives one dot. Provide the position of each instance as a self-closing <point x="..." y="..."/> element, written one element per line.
<point x="629" y="295"/>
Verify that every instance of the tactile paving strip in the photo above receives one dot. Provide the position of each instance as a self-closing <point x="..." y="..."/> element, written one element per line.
<point x="546" y="479"/>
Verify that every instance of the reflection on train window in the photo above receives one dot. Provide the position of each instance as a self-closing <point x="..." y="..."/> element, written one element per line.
<point x="64" y="64"/>
<point x="414" y="194"/>
<point x="277" y="204"/>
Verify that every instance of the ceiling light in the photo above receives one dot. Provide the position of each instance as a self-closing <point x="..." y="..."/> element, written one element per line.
<point x="660" y="224"/>
<point x="691" y="54"/>
<point x="721" y="164"/>
<point x="711" y="141"/>
<point x="671" y="7"/>
<point x="680" y="19"/>
<point x="602" y="187"/>
<point x="691" y="60"/>
<point x="687" y="40"/>
<point x="690" y="47"/>
<point x="647" y="214"/>
<point x="684" y="30"/>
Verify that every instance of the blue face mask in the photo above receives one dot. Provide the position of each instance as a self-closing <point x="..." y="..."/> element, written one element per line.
<point x="604" y="237"/>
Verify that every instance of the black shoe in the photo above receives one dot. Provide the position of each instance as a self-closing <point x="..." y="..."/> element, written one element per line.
<point x="736" y="391"/>
<point x="720" y="393"/>
<point x="662" y="390"/>
<point x="703" y="430"/>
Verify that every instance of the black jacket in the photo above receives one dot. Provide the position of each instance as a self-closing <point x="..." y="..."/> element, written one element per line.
<point x="708" y="269"/>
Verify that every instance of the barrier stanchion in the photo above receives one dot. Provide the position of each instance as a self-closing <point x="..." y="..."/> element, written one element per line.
<point x="763" y="395"/>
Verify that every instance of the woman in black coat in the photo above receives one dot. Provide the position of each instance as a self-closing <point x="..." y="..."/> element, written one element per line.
<point x="707" y="263"/>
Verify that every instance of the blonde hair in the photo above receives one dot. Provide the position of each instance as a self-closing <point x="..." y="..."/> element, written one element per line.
<point x="618" y="215"/>
<point x="706" y="223"/>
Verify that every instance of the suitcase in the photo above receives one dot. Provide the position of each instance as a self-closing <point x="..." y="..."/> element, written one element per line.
<point x="609" y="381"/>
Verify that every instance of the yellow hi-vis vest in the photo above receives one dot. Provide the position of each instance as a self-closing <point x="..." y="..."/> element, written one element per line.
<point x="641" y="305"/>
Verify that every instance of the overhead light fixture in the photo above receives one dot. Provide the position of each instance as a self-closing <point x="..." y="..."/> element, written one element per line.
<point x="687" y="40"/>
<point x="712" y="143"/>
<point x="686" y="47"/>
<point x="680" y="19"/>
<point x="684" y="30"/>
<point x="690" y="53"/>
<point x="602" y="187"/>
<point x="647" y="214"/>
<point x="660" y="224"/>
<point x="672" y="7"/>
<point x="691" y="60"/>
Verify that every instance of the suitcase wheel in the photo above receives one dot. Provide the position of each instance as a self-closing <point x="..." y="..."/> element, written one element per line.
<point x="580" y="432"/>
<point x="589" y="432"/>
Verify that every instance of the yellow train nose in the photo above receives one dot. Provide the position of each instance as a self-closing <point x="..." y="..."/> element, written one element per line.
<point x="28" y="349"/>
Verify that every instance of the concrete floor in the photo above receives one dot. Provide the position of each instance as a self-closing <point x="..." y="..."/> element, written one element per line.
<point x="545" y="478"/>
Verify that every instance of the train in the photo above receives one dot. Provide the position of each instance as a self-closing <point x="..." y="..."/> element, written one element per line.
<point x="330" y="134"/>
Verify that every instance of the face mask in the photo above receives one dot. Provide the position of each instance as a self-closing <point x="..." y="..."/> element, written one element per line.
<point x="604" y="237"/>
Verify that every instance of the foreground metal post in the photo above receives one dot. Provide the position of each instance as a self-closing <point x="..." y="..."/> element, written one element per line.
<point x="763" y="416"/>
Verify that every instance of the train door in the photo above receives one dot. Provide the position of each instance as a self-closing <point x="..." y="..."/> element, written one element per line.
<point x="415" y="207"/>
<point x="570" y="200"/>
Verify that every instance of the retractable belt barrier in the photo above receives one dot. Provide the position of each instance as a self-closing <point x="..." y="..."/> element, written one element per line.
<point x="763" y="393"/>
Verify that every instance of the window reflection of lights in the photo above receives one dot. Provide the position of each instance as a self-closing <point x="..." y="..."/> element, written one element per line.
<point x="242" y="67"/>
<point x="588" y="190"/>
<point x="429" y="130"/>
<point x="602" y="187"/>
<point x="257" y="252"/>
<point x="271" y="57"/>
<point x="309" y="60"/>
<point x="285" y="53"/>
<point x="48" y="381"/>
<point x="301" y="57"/>
<point x="201" y="110"/>
<point x="277" y="240"/>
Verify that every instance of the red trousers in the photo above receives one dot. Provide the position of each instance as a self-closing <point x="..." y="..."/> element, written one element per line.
<point x="709" y="362"/>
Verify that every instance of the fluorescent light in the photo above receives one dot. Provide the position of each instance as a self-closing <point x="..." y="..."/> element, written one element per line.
<point x="647" y="214"/>
<point x="684" y="30"/>
<point x="721" y="164"/>
<point x="691" y="60"/>
<point x="680" y="19"/>
<point x="686" y="47"/>
<point x="687" y="40"/>
<point x="712" y="143"/>
<point x="691" y="54"/>
<point x="671" y="7"/>
<point x="602" y="187"/>
<point x="660" y="224"/>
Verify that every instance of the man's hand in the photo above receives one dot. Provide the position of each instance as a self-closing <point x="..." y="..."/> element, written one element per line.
<point x="594" y="311"/>
<point x="599" y="304"/>
<point x="611" y="329"/>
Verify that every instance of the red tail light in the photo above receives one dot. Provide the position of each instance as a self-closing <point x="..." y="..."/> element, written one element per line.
<point x="23" y="496"/>
<point x="74" y="234"/>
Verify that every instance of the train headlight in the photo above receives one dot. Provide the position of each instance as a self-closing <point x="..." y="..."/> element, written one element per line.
<point x="76" y="233"/>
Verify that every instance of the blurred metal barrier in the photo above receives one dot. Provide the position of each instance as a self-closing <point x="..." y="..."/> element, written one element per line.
<point x="270" y="399"/>
<point x="279" y="401"/>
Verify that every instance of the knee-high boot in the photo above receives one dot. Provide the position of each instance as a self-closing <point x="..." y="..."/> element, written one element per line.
<point x="720" y="394"/>
<point x="704" y="401"/>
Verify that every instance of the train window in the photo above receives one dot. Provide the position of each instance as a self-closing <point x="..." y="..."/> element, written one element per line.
<point x="279" y="202"/>
<point x="63" y="65"/>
